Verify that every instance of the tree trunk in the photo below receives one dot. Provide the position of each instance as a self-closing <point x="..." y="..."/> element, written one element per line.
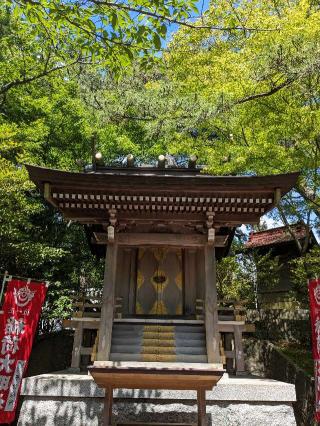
<point x="310" y="197"/>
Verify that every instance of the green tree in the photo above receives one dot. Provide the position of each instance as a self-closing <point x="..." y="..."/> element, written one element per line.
<point x="66" y="33"/>
<point x="45" y="122"/>
<point x="302" y="269"/>
<point x="242" y="276"/>
<point x="241" y="91"/>
<point x="259" y="90"/>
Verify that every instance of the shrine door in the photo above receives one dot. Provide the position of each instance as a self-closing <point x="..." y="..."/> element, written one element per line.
<point x="159" y="289"/>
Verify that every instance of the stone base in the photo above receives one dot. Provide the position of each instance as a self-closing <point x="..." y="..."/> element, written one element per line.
<point x="74" y="399"/>
<point x="156" y="424"/>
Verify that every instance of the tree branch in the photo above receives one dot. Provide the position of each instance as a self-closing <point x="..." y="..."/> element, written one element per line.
<point x="174" y="20"/>
<point x="95" y="35"/>
<point x="289" y="80"/>
<point x="6" y="87"/>
<point x="293" y="235"/>
<point x="142" y="11"/>
<point x="305" y="193"/>
<point x="265" y="94"/>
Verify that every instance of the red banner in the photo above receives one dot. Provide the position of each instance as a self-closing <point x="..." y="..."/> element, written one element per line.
<point x="21" y="311"/>
<point x="314" y="296"/>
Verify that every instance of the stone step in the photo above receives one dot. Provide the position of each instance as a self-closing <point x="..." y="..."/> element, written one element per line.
<point x="158" y="342"/>
<point x="148" y="327"/>
<point x="138" y="349"/>
<point x="156" y="424"/>
<point x="157" y="336"/>
<point x="150" y="332"/>
<point x="158" y="357"/>
<point x="158" y="327"/>
<point x="178" y="342"/>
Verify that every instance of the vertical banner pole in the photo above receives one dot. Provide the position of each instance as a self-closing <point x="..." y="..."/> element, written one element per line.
<point x="6" y="278"/>
<point x="314" y="298"/>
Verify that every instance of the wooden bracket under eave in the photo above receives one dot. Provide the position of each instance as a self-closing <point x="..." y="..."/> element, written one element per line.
<point x="211" y="236"/>
<point x="211" y="229"/>
<point x="277" y="196"/>
<point x="111" y="232"/>
<point x="112" y="224"/>
<point x="47" y="194"/>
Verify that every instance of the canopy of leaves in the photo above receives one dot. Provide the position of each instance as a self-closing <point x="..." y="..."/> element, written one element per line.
<point x="302" y="269"/>
<point x="261" y="89"/>
<point x="246" y="102"/>
<point x="111" y="33"/>
<point x="241" y="91"/>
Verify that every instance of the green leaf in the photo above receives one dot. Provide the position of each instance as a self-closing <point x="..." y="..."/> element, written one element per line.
<point x="156" y="41"/>
<point x="114" y="20"/>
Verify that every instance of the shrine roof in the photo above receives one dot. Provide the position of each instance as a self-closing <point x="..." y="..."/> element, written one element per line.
<point x="275" y="236"/>
<point x="188" y="194"/>
<point x="105" y="176"/>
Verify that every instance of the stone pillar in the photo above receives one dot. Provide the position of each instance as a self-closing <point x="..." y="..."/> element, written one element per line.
<point x="76" y="351"/>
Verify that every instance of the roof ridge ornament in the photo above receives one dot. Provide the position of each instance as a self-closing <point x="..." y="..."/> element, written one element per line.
<point x="130" y="160"/>
<point x="161" y="161"/>
<point x="192" y="163"/>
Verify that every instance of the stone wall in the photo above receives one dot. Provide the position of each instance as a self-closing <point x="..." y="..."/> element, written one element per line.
<point x="51" y="352"/>
<point x="282" y="324"/>
<point x="60" y="399"/>
<point x="264" y="359"/>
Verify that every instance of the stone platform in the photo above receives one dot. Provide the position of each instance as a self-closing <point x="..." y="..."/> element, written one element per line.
<point x="62" y="398"/>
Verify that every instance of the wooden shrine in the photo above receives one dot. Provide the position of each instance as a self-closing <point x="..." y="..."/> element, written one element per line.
<point x="285" y="245"/>
<point x="162" y="229"/>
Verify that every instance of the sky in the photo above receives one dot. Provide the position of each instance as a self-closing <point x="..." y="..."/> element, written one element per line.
<point x="202" y="6"/>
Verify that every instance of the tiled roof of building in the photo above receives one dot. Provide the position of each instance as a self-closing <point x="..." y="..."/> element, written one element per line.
<point x="275" y="236"/>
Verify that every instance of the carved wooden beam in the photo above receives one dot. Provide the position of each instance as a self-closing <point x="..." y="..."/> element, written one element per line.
<point x="160" y="239"/>
<point x="277" y="196"/>
<point x="111" y="227"/>
<point x="211" y="236"/>
<point x="211" y="230"/>
<point x="47" y="194"/>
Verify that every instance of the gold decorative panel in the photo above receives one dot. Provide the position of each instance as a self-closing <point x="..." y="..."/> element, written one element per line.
<point x="159" y="282"/>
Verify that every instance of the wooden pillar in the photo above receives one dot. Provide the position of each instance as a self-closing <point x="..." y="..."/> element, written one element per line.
<point x="201" y="400"/>
<point x="200" y="271"/>
<point x="211" y="307"/>
<point x="108" y="299"/>
<point x="191" y="281"/>
<point x="107" y="409"/>
<point x="132" y="281"/>
<point x="122" y="277"/>
<point x="77" y="343"/>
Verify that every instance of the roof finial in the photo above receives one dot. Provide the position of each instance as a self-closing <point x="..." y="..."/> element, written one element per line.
<point x="130" y="160"/>
<point x="192" y="161"/>
<point x="161" y="161"/>
<point x="98" y="159"/>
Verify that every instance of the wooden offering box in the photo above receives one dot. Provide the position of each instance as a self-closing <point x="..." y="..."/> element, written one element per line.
<point x="156" y="375"/>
